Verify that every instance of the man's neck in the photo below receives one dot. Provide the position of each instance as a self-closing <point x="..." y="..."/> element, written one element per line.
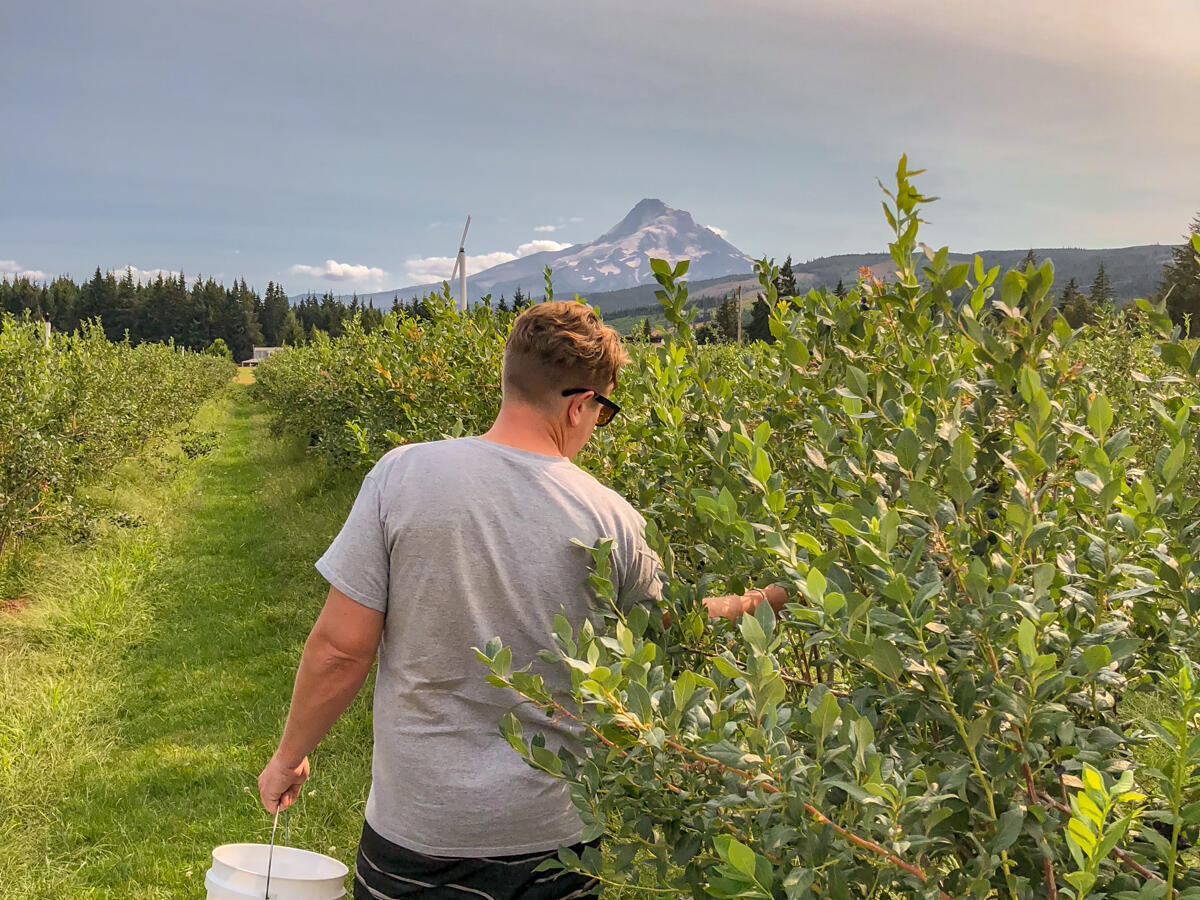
<point x="524" y="429"/>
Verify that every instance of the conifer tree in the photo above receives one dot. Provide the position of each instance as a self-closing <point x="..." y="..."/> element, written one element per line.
<point x="785" y="284"/>
<point x="840" y="290"/>
<point x="332" y="313"/>
<point x="725" y="320"/>
<point x="274" y="311"/>
<point x="291" y="334"/>
<point x="1181" y="281"/>
<point x="1029" y="260"/>
<point x="1076" y="307"/>
<point x="759" y="328"/>
<point x="1101" y="292"/>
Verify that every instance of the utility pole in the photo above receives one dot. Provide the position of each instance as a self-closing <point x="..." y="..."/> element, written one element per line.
<point x="739" y="316"/>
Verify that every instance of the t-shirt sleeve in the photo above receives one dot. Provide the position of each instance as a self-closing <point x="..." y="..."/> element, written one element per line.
<point x="639" y="579"/>
<point x="356" y="563"/>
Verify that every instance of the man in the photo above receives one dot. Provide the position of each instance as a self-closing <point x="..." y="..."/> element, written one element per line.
<point x="449" y="544"/>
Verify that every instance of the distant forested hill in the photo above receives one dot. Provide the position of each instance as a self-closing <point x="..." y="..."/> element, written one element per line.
<point x="1134" y="272"/>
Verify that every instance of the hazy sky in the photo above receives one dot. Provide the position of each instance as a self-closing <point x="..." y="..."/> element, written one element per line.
<point x="342" y="144"/>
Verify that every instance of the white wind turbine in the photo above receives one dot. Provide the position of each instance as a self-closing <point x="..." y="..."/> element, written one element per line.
<point x="460" y="267"/>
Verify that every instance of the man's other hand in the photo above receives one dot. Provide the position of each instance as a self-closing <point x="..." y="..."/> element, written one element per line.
<point x="279" y="784"/>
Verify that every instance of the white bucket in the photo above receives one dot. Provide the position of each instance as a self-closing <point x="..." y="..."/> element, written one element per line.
<point x="239" y="872"/>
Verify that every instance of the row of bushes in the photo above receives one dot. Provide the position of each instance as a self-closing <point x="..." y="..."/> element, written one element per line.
<point x="989" y="523"/>
<point x="74" y="406"/>
<point x="354" y="396"/>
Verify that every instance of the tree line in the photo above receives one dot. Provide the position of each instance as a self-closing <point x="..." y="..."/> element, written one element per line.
<point x="203" y="314"/>
<point x="163" y="309"/>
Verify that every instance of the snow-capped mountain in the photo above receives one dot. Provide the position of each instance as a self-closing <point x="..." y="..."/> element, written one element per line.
<point x="619" y="258"/>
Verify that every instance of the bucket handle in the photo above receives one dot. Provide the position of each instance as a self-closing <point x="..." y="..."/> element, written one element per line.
<point x="287" y="831"/>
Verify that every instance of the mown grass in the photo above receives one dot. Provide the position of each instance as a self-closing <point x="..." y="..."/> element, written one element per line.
<point x="145" y="673"/>
<point x="145" y="680"/>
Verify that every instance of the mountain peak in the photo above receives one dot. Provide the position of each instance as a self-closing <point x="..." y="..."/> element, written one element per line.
<point x="650" y="206"/>
<point x="643" y="213"/>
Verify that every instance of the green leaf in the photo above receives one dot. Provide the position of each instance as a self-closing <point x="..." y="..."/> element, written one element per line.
<point x="685" y="686"/>
<point x="908" y="449"/>
<point x="1174" y="354"/>
<point x="726" y="668"/>
<point x="1174" y="462"/>
<point x="1100" y="416"/>
<point x="502" y="661"/>
<point x="1082" y="882"/>
<point x="753" y="632"/>
<point x="815" y="585"/>
<point x="858" y="381"/>
<point x="864" y="733"/>
<point x="887" y="658"/>
<point x="1012" y="286"/>
<point x="977" y="729"/>
<point x="922" y="497"/>
<point x="1096" y="657"/>
<point x="1113" y="836"/>
<point x="889" y="527"/>
<point x="956" y="276"/>
<point x="1079" y="833"/>
<point x="1026" y="639"/>
<point x="1008" y="828"/>
<point x="827" y="714"/>
<point x="739" y="856"/>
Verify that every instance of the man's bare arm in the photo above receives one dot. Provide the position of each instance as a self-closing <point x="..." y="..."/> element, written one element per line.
<point x="336" y="660"/>
<point x="733" y="606"/>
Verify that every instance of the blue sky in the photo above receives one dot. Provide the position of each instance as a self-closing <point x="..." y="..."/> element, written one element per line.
<point x="342" y="144"/>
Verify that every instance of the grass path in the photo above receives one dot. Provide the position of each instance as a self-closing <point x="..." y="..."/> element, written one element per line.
<point x="145" y="683"/>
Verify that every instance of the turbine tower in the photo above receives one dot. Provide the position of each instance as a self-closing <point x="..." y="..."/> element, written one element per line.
<point x="460" y="267"/>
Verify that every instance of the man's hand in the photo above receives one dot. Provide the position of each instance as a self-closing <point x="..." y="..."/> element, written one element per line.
<point x="734" y="606"/>
<point x="279" y="784"/>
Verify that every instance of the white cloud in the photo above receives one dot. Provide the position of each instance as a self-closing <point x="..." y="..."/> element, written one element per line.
<point x="719" y="232"/>
<point x="575" y="220"/>
<point x="336" y="271"/>
<point x="439" y="268"/>
<point x="546" y="228"/>
<point x="10" y="269"/>
<point x="540" y="247"/>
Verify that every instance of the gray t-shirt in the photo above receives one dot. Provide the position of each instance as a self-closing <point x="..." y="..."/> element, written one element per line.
<point x="457" y="542"/>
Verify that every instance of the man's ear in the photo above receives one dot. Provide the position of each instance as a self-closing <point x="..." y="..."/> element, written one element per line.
<point x="575" y="408"/>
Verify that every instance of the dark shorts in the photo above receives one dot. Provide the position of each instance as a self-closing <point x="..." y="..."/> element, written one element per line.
<point x="383" y="871"/>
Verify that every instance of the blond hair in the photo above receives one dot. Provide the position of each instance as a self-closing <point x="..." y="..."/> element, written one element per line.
<point x="558" y="345"/>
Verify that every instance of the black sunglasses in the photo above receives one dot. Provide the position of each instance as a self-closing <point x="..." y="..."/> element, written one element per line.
<point x="608" y="409"/>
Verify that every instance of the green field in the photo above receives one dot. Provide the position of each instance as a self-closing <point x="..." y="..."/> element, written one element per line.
<point x="145" y="681"/>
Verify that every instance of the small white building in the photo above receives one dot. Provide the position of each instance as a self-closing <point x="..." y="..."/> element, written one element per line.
<point x="260" y="353"/>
